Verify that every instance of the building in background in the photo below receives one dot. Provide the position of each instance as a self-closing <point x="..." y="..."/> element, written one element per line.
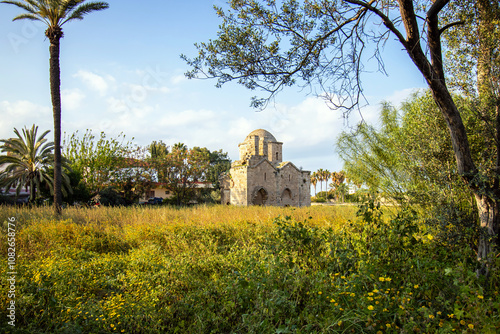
<point x="260" y="177"/>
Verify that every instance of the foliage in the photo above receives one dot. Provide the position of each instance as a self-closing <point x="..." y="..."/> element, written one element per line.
<point x="272" y="45"/>
<point x="338" y="187"/>
<point x="408" y="157"/>
<point x="220" y="163"/>
<point x="109" y="197"/>
<point x="242" y="270"/>
<point x="473" y="56"/>
<point x="27" y="163"/>
<point x="181" y="171"/>
<point x="113" y="162"/>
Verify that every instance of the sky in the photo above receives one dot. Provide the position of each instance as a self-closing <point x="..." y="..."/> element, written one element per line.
<point x="121" y="72"/>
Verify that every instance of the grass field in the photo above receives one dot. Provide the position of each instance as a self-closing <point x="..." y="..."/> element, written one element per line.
<point x="225" y="269"/>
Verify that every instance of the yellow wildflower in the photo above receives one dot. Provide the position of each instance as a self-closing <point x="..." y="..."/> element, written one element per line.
<point x="370" y="307"/>
<point x="471" y="326"/>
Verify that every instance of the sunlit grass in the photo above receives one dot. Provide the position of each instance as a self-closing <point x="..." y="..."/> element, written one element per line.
<point x="223" y="269"/>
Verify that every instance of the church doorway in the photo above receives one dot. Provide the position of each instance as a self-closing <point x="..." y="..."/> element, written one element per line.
<point x="260" y="197"/>
<point x="286" y="197"/>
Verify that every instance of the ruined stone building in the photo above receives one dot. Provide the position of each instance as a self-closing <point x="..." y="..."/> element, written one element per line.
<point x="260" y="177"/>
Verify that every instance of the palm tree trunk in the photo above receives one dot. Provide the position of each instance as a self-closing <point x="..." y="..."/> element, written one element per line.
<point x="32" y="191"/>
<point x="55" y="91"/>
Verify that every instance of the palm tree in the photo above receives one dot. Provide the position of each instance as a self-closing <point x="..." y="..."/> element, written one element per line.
<point x="55" y="13"/>
<point x="326" y="177"/>
<point x="179" y="147"/>
<point x="320" y="176"/>
<point x="28" y="160"/>
<point x="314" y="181"/>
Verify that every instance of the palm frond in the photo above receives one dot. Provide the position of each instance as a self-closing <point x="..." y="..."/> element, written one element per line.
<point x="23" y="5"/>
<point x="85" y="9"/>
<point x="31" y="17"/>
<point x="69" y="5"/>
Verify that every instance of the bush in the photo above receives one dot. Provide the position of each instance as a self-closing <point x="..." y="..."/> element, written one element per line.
<point x="223" y="269"/>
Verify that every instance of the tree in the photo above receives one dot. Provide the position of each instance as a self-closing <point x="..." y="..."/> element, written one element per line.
<point x="321" y="177"/>
<point x="409" y="158"/>
<point x="337" y="186"/>
<point x="55" y="13"/>
<point x="109" y="162"/>
<point x="219" y="164"/>
<point x="27" y="162"/>
<point x="181" y="170"/>
<point x="373" y="156"/>
<point x="326" y="177"/>
<point x="314" y="181"/>
<point x="325" y="44"/>
<point x="158" y="149"/>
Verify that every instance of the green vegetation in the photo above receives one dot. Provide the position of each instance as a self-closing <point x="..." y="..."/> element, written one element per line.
<point x="28" y="160"/>
<point x="243" y="270"/>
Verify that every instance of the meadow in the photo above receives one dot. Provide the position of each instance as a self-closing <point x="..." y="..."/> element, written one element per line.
<point x="219" y="269"/>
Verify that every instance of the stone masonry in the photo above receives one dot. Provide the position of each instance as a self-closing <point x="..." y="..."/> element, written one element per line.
<point x="260" y="177"/>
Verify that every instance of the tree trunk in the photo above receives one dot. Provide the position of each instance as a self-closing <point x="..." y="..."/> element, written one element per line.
<point x="32" y="191"/>
<point x="489" y="227"/>
<point x="55" y="91"/>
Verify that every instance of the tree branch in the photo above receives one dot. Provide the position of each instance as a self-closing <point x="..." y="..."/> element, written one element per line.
<point x="450" y="25"/>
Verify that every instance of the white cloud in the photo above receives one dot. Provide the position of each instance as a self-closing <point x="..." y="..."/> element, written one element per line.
<point x="72" y="99"/>
<point x="139" y="93"/>
<point x="95" y="81"/>
<point x="177" y="79"/>
<point x="187" y="118"/>
<point x="22" y="108"/>
<point x="400" y="96"/>
<point x="20" y="114"/>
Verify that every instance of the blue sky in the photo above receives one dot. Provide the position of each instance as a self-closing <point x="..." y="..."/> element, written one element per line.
<point x="121" y="72"/>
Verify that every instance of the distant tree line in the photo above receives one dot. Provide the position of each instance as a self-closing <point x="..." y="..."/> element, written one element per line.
<point x="110" y="171"/>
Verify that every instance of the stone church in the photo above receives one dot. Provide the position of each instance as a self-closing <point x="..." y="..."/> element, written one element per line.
<point x="260" y="177"/>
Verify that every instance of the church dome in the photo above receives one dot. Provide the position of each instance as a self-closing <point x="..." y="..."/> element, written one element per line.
<point x="261" y="133"/>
